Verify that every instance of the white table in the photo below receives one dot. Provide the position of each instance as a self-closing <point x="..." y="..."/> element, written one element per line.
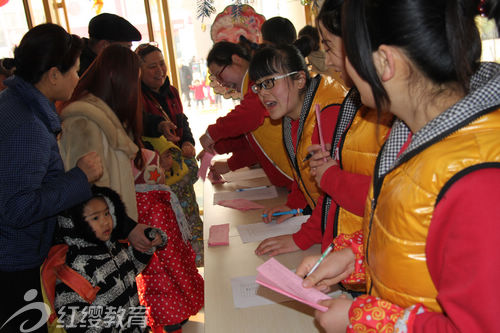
<point x="226" y="262"/>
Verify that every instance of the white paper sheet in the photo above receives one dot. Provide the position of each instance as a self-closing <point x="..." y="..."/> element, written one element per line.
<point x="243" y="174"/>
<point x="248" y="293"/>
<point x="254" y="194"/>
<point x="257" y="232"/>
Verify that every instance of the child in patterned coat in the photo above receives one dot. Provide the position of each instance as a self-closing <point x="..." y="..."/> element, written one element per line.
<point x="111" y="304"/>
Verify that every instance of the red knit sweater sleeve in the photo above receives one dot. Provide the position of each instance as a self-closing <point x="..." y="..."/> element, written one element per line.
<point x="242" y="158"/>
<point x="296" y="198"/>
<point x="228" y="145"/>
<point x="349" y="190"/>
<point x="244" y="118"/>
<point x="462" y="256"/>
<point x="310" y="231"/>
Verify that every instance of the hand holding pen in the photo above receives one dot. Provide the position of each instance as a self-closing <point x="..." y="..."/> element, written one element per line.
<point x="334" y="267"/>
<point x="280" y="213"/>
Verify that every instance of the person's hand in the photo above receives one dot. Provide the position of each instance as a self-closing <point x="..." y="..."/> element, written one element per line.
<point x="207" y="143"/>
<point x="139" y="240"/>
<point x="277" y="245"/>
<point x="220" y="167"/>
<point x="188" y="150"/>
<point x="318" y="158"/>
<point x="336" y="266"/>
<point x="272" y="210"/>
<point x="336" y="318"/>
<point x="166" y="160"/>
<point x="91" y="165"/>
<point x="320" y="170"/>
<point x="167" y="128"/>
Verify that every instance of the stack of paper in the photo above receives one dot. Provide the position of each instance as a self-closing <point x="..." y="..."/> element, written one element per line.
<point x="260" y="193"/>
<point x="218" y="235"/>
<point x="277" y="277"/>
<point x="243" y="174"/>
<point x="256" y="232"/>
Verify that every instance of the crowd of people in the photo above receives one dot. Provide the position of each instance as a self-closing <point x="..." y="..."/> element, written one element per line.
<point x="386" y="136"/>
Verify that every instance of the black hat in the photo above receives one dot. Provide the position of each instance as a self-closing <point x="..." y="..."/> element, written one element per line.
<point x="113" y="27"/>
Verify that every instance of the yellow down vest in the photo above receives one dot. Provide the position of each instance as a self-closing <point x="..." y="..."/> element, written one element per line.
<point x="358" y="150"/>
<point x="328" y="93"/>
<point x="395" y="236"/>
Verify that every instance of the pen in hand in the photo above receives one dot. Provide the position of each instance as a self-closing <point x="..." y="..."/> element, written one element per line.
<point x="308" y="157"/>
<point x="316" y="265"/>
<point x="293" y="212"/>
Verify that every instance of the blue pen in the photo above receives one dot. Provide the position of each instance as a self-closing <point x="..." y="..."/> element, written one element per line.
<point x="251" y="188"/>
<point x="293" y="212"/>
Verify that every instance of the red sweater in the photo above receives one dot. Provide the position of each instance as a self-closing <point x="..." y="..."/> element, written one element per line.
<point x="348" y="190"/>
<point x="244" y="118"/>
<point x="230" y="135"/>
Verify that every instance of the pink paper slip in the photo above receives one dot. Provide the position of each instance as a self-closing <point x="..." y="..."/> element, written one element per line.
<point x="241" y="204"/>
<point x="205" y="163"/>
<point x="277" y="277"/>
<point x="218" y="235"/>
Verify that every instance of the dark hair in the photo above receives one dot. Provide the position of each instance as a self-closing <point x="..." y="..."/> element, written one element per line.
<point x="278" y="30"/>
<point x="114" y="78"/>
<point x="7" y="66"/>
<point x="305" y="45"/>
<point x="439" y="36"/>
<point x="144" y="49"/>
<point x="278" y="59"/>
<point x="330" y="16"/>
<point x="222" y="52"/>
<point x="313" y="34"/>
<point x="43" y="47"/>
<point x="117" y="211"/>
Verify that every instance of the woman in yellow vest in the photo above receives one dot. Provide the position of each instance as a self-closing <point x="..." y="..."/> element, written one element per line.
<point x="288" y="93"/>
<point x="431" y="233"/>
<point x="346" y="176"/>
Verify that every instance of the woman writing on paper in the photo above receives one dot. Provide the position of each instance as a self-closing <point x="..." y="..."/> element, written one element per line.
<point x="436" y="180"/>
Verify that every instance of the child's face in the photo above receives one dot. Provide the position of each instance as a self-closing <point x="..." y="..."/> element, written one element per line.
<point x="166" y="160"/>
<point x="96" y="213"/>
<point x="284" y="98"/>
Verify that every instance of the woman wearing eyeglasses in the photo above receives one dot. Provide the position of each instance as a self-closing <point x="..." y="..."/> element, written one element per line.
<point x="343" y="173"/>
<point x="246" y="131"/>
<point x="288" y="93"/>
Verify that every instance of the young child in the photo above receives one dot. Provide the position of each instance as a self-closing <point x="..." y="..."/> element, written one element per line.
<point x="199" y="92"/>
<point x="90" y="230"/>
<point x="180" y="175"/>
<point x="170" y="286"/>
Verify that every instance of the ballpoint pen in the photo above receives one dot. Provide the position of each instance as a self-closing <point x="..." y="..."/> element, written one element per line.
<point x="293" y="211"/>
<point x="251" y="188"/>
<point x="308" y="156"/>
<point x="316" y="265"/>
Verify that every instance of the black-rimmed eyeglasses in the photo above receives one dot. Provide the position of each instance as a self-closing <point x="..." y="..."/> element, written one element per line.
<point x="269" y="83"/>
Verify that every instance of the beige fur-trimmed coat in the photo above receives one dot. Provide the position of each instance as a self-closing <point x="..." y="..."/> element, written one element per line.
<point x="88" y="125"/>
